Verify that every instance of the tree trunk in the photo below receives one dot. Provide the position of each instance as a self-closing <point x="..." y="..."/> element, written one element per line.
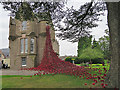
<point x="114" y="29"/>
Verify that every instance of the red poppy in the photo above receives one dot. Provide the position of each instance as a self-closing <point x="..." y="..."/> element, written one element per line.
<point x="106" y="84"/>
<point x="102" y="84"/>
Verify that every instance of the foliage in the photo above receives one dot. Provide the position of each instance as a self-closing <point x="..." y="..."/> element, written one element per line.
<point x="90" y="54"/>
<point x="77" y="22"/>
<point x="95" y="45"/>
<point x="85" y="60"/>
<point x="68" y="59"/>
<point x="83" y="43"/>
<point x="105" y="45"/>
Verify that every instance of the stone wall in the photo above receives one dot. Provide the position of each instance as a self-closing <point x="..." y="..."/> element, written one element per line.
<point x="34" y="30"/>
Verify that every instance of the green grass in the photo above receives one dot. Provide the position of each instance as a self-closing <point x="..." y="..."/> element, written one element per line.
<point x="50" y="81"/>
<point x="45" y="81"/>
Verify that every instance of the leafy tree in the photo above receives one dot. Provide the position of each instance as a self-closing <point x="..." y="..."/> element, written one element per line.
<point x="83" y="43"/>
<point x="90" y="54"/>
<point x="50" y="11"/>
<point x="77" y="22"/>
<point x="95" y="44"/>
<point x="105" y="44"/>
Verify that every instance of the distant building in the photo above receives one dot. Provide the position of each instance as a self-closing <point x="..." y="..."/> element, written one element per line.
<point x="2" y="56"/>
<point x="27" y="43"/>
<point x="5" y="51"/>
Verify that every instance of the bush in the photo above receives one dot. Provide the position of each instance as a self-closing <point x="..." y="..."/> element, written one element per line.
<point x="68" y="59"/>
<point x="97" y="61"/>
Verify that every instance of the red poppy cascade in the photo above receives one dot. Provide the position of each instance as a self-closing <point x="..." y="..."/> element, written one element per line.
<point x="52" y="64"/>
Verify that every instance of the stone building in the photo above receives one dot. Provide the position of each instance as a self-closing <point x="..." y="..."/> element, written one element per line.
<point x="27" y="43"/>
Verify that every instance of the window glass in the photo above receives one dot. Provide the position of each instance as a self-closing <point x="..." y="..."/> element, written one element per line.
<point x="24" y="25"/>
<point x="32" y="45"/>
<point x="22" y="45"/>
<point x="23" y="61"/>
<point x="26" y="45"/>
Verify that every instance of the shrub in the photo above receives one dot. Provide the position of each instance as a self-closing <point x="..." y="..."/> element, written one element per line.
<point x="97" y="60"/>
<point x="68" y="59"/>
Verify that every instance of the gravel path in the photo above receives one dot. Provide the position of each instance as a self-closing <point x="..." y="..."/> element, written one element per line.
<point x="16" y="72"/>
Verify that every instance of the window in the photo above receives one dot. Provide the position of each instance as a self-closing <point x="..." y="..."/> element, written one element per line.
<point x="32" y="45"/>
<point x="23" y="61"/>
<point x="24" y="25"/>
<point x="24" y="45"/>
<point x="0" y="55"/>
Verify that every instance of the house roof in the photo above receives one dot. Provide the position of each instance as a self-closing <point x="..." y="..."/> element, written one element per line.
<point x="2" y="54"/>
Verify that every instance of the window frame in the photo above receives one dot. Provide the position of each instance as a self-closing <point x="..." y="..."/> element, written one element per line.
<point x="25" y="44"/>
<point x="33" y="45"/>
<point x="22" y="45"/>
<point x="22" y="61"/>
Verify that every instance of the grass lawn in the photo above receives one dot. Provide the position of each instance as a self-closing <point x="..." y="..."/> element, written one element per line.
<point x="50" y="81"/>
<point x="46" y="81"/>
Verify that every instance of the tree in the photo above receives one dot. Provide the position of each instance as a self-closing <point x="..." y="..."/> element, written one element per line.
<point x="77" y="22"/>
<point x="90" y="53"/>
<point x="83" y="43"/>
<point x="105" y="45"/>
<point x="113" y="24"/>
<point x="95" y="44"/>
<point x="50" y="11"/>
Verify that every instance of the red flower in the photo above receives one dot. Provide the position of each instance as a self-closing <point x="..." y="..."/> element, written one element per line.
<point x="102" y="80"/>
<point x="104" y="74"/>
<point x="85" y="83"/>
<point x="102" y="84"/>
<point x="106" y="84"/>
<point x="93" y="83"/>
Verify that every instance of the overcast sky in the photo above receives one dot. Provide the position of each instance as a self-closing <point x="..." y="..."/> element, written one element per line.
<point x="65" y="48"/>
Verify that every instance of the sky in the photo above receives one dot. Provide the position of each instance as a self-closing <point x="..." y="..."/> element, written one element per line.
<point x="65" y="47"/>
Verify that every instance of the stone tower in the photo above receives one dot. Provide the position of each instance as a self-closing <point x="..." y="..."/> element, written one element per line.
<point x="27" y="43"/>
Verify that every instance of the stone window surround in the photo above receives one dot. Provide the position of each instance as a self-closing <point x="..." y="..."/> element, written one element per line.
<point x="24" y="45"/>
<point x="28" y="43"/>
<point x="22" y="61"/>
